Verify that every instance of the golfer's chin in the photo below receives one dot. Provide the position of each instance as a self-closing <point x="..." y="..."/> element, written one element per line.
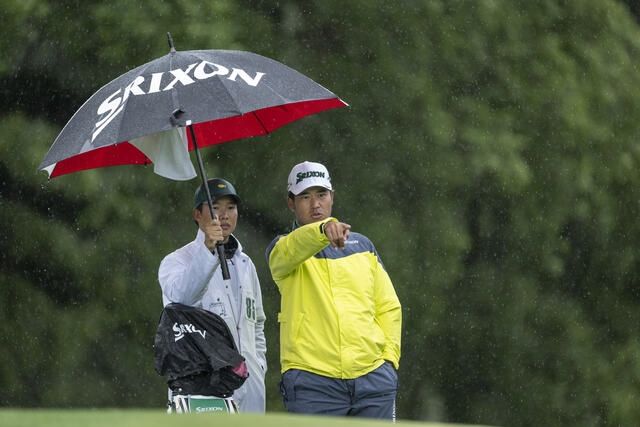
<point x="316" y="218"/>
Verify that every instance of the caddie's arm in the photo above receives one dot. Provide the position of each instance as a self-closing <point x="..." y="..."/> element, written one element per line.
<point x="296" y="247"/>
<point x="184" y="277"/>
<point x="388" y="313"/>
<point x="261" y="342"/>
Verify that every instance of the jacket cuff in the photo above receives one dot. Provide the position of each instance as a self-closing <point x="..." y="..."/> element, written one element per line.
<point x="325" y="222"/>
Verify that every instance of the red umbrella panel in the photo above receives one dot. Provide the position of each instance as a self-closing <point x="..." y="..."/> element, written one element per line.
<point x="213" y="132"/>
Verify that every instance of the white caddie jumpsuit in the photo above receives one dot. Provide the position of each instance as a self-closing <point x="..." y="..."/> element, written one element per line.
<point x="191" y="276"/>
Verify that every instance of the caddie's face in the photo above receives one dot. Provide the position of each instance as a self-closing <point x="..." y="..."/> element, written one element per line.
<point x="312" y="205"/>
<point x="227" y="210"/>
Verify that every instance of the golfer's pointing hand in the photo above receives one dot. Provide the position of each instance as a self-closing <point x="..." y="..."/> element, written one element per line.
<point x="337" y="233"/>
<point x="212" y="233"/>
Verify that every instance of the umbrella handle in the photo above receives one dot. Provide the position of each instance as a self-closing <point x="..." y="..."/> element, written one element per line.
<point x="223" y="262"/>
<point x="219" y="246"/>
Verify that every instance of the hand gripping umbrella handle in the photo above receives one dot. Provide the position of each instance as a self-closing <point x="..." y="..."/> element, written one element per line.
<point x="219" y="246"/>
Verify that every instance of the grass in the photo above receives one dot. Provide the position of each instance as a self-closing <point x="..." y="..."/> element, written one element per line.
<point x="157" y="418"/>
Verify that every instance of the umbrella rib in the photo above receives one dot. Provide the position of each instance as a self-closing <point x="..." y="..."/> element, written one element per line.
<point x="238" y="109"/>
<point x="117" y="123"/>
<point x="219" y="79"/>
<point x="257" y="117"/>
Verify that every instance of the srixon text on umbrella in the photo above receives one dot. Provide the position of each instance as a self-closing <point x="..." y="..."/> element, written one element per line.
<point x="160" y="82"/>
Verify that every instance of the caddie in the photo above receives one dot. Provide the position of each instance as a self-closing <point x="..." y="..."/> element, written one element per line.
<point x="191" y="275"/>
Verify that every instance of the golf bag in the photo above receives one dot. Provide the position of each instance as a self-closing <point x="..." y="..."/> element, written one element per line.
<point x="196" y="353"/>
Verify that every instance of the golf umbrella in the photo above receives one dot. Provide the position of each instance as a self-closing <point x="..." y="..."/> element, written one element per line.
<point x="185" y="100"/>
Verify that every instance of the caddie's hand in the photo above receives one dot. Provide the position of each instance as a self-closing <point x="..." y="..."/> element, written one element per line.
<point x="212" y="233"/>
<point x="337" y="233"/>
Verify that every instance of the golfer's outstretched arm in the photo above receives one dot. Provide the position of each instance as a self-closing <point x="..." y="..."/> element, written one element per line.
<point x="293" y="249"/>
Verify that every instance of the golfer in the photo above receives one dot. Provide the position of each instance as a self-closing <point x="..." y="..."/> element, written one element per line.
<point x="192" y="276"/>
<point x="340" y="318"/>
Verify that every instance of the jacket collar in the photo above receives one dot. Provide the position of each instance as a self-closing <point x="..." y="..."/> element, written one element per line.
<point x="232" y="246"/>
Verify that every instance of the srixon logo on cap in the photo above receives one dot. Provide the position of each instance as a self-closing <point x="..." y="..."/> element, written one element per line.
<point x="160" y="82"/>
<point x="311" y="174"/>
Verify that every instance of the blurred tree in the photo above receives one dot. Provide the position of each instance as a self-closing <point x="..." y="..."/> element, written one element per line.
<point x="634" y="7"/>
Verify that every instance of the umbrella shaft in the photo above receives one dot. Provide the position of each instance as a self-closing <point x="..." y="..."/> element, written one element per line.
<point x="219" y="247"/>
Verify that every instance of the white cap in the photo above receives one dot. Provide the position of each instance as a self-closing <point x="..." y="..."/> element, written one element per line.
<point x="308" y="174"/>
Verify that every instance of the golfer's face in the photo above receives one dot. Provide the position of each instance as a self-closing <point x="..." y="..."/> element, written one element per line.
<point x="312" y="205"/>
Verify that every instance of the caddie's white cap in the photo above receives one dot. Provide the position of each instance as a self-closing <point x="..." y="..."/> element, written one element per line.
<point x="308" y="174"/>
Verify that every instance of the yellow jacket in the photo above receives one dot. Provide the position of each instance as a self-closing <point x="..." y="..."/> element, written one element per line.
<point x="339" y="315"/>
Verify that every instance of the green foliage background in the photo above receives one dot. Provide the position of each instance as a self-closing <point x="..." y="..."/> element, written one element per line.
<point x="490" y="151"/>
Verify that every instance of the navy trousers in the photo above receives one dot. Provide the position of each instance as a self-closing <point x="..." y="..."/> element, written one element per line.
<point x="372" y="395"/>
